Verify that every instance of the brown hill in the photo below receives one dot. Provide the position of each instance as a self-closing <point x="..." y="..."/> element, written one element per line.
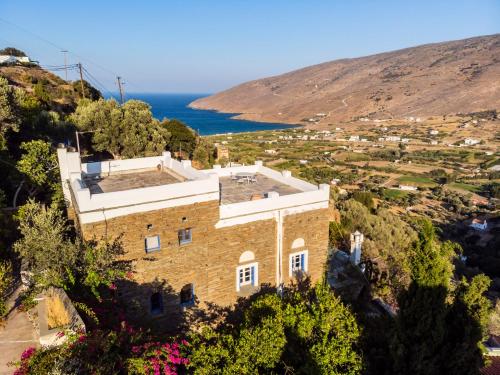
<point x="54" y="92"/>
<point x="443" y="78"/>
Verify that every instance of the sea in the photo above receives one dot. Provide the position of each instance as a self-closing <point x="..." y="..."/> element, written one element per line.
<point x="175" y="106"/>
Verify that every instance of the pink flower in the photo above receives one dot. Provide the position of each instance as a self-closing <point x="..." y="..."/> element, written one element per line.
<point x="60" y="334"/>
<point x="112" y="286"/>
<point x="28" y="353"/>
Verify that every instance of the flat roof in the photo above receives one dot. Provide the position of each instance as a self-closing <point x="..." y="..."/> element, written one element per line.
<point x="130" y="180"/>
<point x="234" y="192"/>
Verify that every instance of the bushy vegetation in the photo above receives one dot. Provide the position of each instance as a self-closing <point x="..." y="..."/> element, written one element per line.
<point x="439" y="329"/>
<point x="123" y="131"/>
<point x="305" y="331"/>
<point x="388" y="242"/>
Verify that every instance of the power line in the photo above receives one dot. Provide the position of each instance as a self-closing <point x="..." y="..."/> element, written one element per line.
<point x="96" y="82"/>
<point x="58" y="47"/>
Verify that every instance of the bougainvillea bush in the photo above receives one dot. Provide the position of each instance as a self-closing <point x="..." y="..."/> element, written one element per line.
<point x="122" y="351"/>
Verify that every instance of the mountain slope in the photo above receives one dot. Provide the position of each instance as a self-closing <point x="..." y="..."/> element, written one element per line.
<point x="451" y="77"/>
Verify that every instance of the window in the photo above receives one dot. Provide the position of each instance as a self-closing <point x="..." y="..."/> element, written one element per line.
<point x="156" y="303"/>
<point x="187" y="295"/>
<point x="152" y="243"/>
<point x="185" y="236"/>
<point x="247" y="275"/>
<point x="298" y="262"/>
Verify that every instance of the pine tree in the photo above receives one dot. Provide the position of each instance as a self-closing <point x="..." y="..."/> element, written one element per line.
<point x="439" y="330"/>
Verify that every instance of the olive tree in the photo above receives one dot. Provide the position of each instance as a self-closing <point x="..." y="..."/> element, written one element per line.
<point x="129" y="130"/>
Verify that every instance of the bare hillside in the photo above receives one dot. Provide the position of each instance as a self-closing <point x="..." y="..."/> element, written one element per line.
<point x="443" y="78"/>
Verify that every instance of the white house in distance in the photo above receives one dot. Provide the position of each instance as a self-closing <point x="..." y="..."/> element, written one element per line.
<point x="407" y="187"/>
<point x="9" y="59"/>
<point x="270" y="152"/>
<point x="471" y="141"/>
<point x="479" y="224"/>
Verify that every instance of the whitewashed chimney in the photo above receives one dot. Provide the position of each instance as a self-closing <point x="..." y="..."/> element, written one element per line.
<point x="357" y="239"/>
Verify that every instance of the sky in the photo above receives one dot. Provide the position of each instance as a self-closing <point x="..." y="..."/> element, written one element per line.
<point x="205" y="46"/>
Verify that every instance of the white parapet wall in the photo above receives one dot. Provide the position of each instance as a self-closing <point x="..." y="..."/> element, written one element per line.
<point x="310" y="197"/>
<point x="199" y="186"/>
<point x="285" y="177"/>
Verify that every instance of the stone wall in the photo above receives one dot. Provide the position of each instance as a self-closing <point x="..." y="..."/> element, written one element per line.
<point x="311" y="226"/>
<point x="210" y="260"/>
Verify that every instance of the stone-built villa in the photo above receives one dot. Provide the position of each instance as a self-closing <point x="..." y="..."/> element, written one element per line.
<point x="198" y="236"/>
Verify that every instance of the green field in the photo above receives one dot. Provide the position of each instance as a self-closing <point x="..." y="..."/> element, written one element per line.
<point x="416" y="180"/>
<point x="394" y="193"/>
<point x="467" y="187"/>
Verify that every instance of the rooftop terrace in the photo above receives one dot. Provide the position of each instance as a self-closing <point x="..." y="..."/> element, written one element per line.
<point x="234" y="192"/>
<point x="131" y="180"/>
<point x="112" y="188"/>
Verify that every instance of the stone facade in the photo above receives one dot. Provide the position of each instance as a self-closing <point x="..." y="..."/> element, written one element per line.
<point x="209" y="262"/>
<point x="206" y="234"/>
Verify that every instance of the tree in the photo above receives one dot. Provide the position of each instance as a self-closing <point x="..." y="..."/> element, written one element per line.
<point x="9" y="119"/>
<point x="99" y="264"/>
<point x="182" y="138"/>
<point x="12" y="52"/>
<point x="38" y="162"/>
<point x="467" y="323"/>
<point x="494" y="323"/>
<point x="54" y="259"/>
<point x="308" y="330"/>
<point x="90" y="91"/>
<point x="421" y="321"/>
<point x="201" y="155"/>
<point x="439" y="330"/>
<point x="5" y="281"/>
<point x="387" y="245"/>
<point x="124" y="131"/>
<point x="364" y="197"/>
<point x="45" y="245"/>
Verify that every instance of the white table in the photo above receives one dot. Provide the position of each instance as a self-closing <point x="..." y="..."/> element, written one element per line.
<point x="245" y="176"/>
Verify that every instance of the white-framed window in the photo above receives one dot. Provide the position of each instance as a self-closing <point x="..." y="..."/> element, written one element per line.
<point x="247" y="275"/>
<point x="185" y="236"/>
<point x="298" y="262"/>
<point x="152" y="243"/>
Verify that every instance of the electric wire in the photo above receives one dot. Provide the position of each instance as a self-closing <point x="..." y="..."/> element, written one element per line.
<point x="60" y="48"/>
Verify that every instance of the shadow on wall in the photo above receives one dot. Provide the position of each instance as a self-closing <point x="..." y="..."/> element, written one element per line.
<point x="157" y="306"/>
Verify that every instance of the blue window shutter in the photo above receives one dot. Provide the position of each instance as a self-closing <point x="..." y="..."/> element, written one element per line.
<point x="302" y="262"/>
<point x="252" y="271"/>
<point x="193" y="291"/>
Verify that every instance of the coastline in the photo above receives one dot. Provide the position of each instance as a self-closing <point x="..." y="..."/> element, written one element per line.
<point x="204" y="121"/>
<point x="248" y="116"/>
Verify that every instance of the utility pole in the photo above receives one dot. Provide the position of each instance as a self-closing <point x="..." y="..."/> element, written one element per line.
<point x="65" y="63"/>
<point x="120" y="88"/>
<point x="81" y="79"/>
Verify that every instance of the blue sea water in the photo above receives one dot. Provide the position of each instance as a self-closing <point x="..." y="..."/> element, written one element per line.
<point x="175" y="106"/>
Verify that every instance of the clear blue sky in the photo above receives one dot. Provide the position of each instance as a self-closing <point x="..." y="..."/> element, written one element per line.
<point x="206" y="46"/>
